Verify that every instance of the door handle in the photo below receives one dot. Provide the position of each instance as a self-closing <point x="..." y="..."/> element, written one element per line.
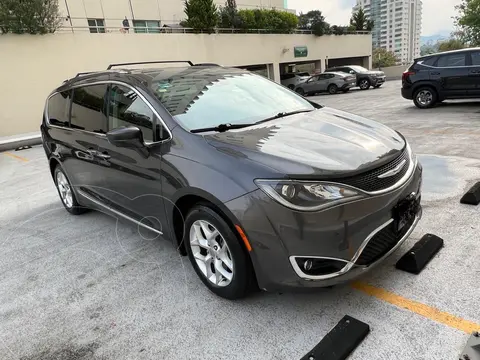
<point x="435" y="73"/>
<point x="98" y="154"/>
<point x="475" y="72"/>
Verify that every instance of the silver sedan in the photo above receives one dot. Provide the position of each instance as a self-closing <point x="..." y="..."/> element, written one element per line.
<point x="330" y="82"/>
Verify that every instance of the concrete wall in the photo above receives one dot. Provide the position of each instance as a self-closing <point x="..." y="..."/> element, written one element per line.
<point x="394" y="72"/>
<point x="32" y="65"/>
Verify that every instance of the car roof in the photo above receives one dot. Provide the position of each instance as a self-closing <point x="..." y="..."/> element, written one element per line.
<point x="147" y="75"/>
<point x="447" y="52"/>
<point x="335" y="73"/>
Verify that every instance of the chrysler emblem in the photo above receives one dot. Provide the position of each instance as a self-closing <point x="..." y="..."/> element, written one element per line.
<point x="394" y="171"/>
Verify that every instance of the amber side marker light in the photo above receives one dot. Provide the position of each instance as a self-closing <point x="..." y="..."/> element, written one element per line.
<point x="244" y="238"/>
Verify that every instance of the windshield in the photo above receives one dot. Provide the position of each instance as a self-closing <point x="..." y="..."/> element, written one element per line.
<point x="209" y="98"/>
<point x="358" y="68"/>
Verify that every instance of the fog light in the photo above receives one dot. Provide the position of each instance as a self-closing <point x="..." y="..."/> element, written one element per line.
<point x="307" y="265"/>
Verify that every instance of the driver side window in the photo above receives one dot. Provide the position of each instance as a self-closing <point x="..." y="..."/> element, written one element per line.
<point x="126" y="108"/>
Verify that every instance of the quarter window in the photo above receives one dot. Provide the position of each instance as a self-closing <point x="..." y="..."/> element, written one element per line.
<point x="146" y="26"/>
<point x="476" y="58"/>
<point x="126" y="108"/>
<point x="59" y="108"/>
<point x="451" y="60"/>
<point x="88" y="109"/>
<point x="96" y="25"/>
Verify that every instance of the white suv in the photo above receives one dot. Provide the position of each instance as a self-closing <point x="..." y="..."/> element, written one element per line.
<point x="292" y="80"/>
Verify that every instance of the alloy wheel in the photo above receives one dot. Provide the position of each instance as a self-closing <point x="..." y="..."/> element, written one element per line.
<point x="425" y="97"/>
<point x="211" y="253"/>
<point x="364" y="84"/>
<point x="64" y="189"/>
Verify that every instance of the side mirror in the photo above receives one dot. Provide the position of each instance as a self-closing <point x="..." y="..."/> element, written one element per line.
<point x="126" y="137"/>
<point x="352" y="72"/>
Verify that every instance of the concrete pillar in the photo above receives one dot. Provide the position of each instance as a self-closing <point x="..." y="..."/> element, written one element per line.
<point x="273" y="71"/>
<point x="367" y="62"/>
<point x="319" y="66"/>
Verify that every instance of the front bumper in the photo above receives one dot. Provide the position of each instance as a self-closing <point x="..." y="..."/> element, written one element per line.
<point x="279" y="235"/>
<point x="379" y="80"/>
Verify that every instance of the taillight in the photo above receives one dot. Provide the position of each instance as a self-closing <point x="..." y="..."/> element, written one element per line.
<point x="406" y="74"/>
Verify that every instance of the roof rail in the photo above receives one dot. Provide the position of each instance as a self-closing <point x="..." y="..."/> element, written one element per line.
<point x="151" y="62"/>
<point x="206" y="64"/>
<point x="84" y="73"/>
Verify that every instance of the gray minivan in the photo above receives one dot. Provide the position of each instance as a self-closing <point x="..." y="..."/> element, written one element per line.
<point x="260" y="187"/>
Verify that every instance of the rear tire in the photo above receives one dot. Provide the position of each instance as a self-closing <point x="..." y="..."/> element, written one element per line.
<point x="66" y="193"/>
<point x="332" y="89"/>
<point x="364" y="84"/>
<point x="425" y="97"/>
<point x="216" y="254"/>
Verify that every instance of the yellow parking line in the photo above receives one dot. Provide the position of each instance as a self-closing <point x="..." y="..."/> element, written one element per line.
<point x="418" y="308"/>
<point x="16" y="156"/>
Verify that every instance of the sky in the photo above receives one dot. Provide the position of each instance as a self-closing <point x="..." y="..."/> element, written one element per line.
<point x="437" y="14"/>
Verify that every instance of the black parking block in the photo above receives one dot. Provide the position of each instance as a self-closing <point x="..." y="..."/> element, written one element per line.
<point x="472" y="196"/>
<point x="415" y="260"/>
<point x="472" y="349"/>
<point x="339" y="343"/>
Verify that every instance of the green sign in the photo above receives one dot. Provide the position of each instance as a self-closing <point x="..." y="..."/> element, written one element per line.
<point x="300" y="51"/>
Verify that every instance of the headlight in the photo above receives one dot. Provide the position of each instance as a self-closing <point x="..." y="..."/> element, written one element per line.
<point x="308" y="195"/>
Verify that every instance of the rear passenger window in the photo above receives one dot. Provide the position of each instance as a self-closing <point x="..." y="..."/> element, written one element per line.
<point x="451" y="60"/>
<point x="58" y="109"/>
<point x="476" y="58"/>
<point x="127" y="109"/>
<point x="88" y="109"/>
<point x="430" y="61"/>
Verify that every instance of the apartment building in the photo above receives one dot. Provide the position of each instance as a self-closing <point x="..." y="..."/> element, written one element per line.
<point x="144" y="16"/>
<point x="397" y="25"/>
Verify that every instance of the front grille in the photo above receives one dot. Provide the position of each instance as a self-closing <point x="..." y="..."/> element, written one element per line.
<point x="369" y="181"/>
<point x="381" y="243"/>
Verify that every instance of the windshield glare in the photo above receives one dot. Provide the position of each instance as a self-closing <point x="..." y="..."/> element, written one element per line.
<point x="207" y="101"/>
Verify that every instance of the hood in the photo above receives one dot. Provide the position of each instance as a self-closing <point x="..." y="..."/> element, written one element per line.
<point x="373" y="72"/>
<point x="324" y="142"/>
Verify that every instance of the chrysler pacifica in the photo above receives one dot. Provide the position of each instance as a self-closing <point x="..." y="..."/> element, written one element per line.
<point x="257" y="185"/>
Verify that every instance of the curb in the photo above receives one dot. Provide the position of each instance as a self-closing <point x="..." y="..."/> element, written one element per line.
<point x="14" y="142"/>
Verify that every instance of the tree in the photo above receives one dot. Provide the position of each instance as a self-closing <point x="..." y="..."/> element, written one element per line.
<point x="468" y="21"/>
<point x="359" y="21"/>
<point x="201" y="14"/>
<point x="428" y="49"/>
<point x="229" y="17"/>
<point x="29" y="16"/>
<point x="314" y="21"/>
<point x="451" y="44"/>
<point x="383" y="58"/>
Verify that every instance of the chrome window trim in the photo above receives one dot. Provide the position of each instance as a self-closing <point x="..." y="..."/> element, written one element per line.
<point x="107" y="82"/>
<point x="351" y="263"/>
<point x="99" y="203"/>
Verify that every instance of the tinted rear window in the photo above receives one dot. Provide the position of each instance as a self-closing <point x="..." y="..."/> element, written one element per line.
<point x="59" y="108"/>
<point x="476" y="58"/>
<point x="451" y="60"/>
<point x="430" y="61"/>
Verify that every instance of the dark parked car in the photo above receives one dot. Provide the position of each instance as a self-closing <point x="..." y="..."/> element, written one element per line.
<point x="365" y="77"/>
<point x="257" y="185"/>
<point x="448" y="75"/>
<point x="327" y="82"/>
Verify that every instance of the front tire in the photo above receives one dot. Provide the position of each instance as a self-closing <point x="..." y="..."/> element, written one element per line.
<point x="216" y="254"/>
<point x="66" y="193"/>
<point x="364" y="84"/>
<point x="425" y="97"/>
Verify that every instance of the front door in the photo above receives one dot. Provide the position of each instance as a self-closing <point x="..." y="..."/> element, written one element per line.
<point x="452" y="74"/>
<point x="132" y="182"/>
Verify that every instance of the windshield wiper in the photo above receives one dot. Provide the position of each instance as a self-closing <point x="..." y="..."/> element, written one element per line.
<point x="282" y="115"/>
<point x="221" y="128"/>
<point x="226" y="127"/>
